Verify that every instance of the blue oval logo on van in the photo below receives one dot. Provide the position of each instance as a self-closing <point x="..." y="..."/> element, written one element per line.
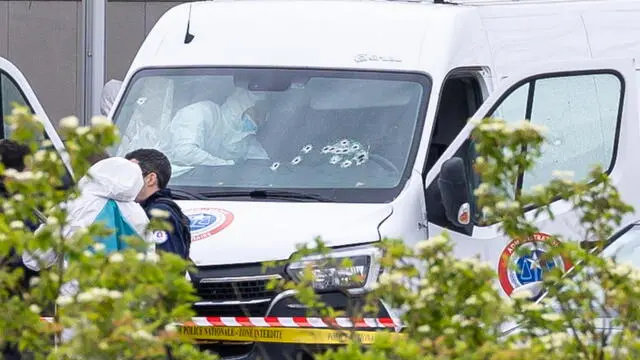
<point x="201" y="221"/>
<point x="206" y="222"/>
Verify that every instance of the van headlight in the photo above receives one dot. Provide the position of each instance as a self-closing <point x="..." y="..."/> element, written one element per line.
<point x="331" y="271"/>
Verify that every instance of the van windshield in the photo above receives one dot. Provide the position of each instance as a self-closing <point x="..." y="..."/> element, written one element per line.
<point x="346" y="135"/>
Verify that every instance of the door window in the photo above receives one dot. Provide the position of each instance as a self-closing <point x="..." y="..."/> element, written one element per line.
<point x="581" y="115"/>
<point x="9" y="93"/>
<point x="581" y="112"/>
<point x="514" y="107"/>
<point x="626" y="247"/>
<point x="460" y="98"/>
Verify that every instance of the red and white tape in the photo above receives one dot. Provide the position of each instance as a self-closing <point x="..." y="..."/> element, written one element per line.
<point x="294" y="322"/>
<point x="288" y="322"/>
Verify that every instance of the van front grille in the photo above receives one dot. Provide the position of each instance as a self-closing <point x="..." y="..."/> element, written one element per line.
<point x="244" y="289"/>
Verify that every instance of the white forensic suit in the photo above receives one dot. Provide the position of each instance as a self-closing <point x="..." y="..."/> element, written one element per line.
<point x="116" y="179"/>
<point x="205" y="133"/>
<point x="148" y="127"/>
<point x="109" y="93"/>
<point x="107" y="194"/>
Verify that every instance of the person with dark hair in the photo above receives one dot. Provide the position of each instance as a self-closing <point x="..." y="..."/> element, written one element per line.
<point x="99" y="156"/>
<point x="12" y="154"/>
<point x="156" y="170"/>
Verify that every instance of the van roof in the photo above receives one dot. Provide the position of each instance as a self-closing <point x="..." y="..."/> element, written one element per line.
<point x="387" y="35"/>
<point x="318" y="33"/>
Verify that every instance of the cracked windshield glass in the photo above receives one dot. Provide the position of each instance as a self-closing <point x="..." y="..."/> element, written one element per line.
<point x="275" y="129"/>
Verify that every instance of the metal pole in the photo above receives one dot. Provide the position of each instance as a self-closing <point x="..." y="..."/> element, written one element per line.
<point x="94" y="59"/>
<point x="99" y="46"/>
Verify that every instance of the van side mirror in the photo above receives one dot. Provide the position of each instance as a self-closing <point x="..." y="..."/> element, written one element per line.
<point x="455" y="192"/>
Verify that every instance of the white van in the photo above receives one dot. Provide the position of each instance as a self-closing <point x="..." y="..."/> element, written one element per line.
<point x="367" y="104"/>
<point x="14" y="88"/>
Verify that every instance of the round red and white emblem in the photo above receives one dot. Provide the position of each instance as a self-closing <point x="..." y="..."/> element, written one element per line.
<point x="517" y="268"/>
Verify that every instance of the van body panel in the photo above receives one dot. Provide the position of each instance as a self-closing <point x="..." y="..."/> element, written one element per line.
<point x="231" y="232"/>
<point x="409" y="219"/>
<point x="523" y="32"/>
<point x="502" y="39"/>
<point x="487" y="242"/>
<point x="285" y="35"/>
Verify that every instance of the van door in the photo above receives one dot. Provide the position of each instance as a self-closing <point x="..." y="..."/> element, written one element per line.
<point x="590" y="111"/>
<point x="15" y="88"/>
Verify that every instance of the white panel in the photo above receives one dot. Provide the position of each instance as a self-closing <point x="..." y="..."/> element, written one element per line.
<point x="614" y="34"/>
<point x="523" y="39"/>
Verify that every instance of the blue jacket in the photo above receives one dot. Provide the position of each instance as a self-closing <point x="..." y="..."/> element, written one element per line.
<point x="177" y="241"/>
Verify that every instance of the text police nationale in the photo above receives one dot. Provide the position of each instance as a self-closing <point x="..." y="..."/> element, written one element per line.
<point x="226" y="332"/>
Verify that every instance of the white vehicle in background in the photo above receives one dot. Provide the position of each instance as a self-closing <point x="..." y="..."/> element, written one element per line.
<point x="367" y="134"/>
<point x="14" y="88"/>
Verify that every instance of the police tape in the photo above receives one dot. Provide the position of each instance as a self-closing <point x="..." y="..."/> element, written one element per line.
<point x="291" y="330"/>
<point x="295" y="322"/>
<point x="288" y="322"/>
<point x="282" y="335"/>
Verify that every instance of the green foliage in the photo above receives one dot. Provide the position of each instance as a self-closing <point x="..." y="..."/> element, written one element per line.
<point x="125" y="304"/>
<point x="452" y="308"/>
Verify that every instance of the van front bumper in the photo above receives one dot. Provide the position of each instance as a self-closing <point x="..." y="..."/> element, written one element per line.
<point x="287" y="331"/>
<point x="236" y="297"/>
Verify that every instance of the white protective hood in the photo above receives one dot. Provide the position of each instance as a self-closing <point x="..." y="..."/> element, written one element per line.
<point x="109" y="94"/>
<point x="114" y="178"/>
<point x="239" y="232"/>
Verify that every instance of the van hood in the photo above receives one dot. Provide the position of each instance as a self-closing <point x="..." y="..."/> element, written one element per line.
<point x="225" y="233"/>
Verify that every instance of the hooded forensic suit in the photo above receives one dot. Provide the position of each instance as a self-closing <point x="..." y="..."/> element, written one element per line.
<point x="205" y="133"/>
<point x="107" y="194"/>
<point x="108" y="96"/>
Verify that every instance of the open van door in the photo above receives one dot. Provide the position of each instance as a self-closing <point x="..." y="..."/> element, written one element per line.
<point x="590" y="110"/>
<point x="15" y="88"/>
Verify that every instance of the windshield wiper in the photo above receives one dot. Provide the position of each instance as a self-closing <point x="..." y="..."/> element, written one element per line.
<point x="268" y="194"/>
<point x="186" y="195"/>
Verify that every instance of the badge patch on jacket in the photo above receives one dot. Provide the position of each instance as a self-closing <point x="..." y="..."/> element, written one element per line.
<point x="160" y="236"/>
